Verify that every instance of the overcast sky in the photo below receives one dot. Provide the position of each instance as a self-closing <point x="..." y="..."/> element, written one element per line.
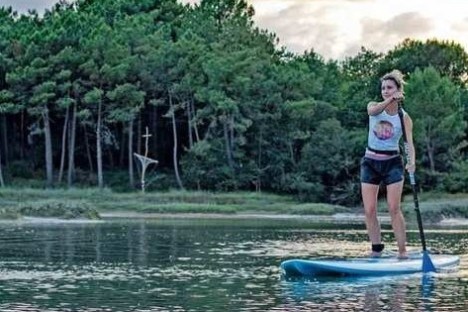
<point x="338" y="28"/>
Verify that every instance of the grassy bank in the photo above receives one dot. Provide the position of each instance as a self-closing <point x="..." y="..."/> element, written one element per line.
<point x="76" y="203"/>
<point x="163" y="202"/>
<point x="434" y="206"/>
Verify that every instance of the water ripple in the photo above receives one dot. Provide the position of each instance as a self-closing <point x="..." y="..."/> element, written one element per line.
<point x="166" y="266"/>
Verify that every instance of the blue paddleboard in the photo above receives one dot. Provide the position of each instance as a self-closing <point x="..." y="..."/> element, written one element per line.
<point x="364" y="266"/>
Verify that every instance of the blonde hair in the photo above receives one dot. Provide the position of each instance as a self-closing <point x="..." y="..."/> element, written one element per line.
<point x="396" y="76"/>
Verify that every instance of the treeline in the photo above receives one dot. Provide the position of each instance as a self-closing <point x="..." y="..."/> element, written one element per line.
<point x="226" y="108"/>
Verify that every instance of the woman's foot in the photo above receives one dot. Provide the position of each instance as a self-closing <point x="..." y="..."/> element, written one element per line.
<point x="376" y="250"/>
<point x="403" y="255"/>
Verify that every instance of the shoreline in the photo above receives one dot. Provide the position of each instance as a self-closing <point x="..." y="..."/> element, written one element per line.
<point x="337" y="218"/>
<point x="437" y="209"/>
<point x="241" y="215"/>
<point x="334" y="218"/>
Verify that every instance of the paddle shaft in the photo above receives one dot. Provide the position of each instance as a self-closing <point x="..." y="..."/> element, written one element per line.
<point x="412" y="180"/>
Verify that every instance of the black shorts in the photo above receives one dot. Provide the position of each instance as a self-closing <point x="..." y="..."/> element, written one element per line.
<point x="388" y="171"/>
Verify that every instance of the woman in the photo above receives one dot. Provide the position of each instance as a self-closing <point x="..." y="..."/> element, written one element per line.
<point x="382" y="162"/>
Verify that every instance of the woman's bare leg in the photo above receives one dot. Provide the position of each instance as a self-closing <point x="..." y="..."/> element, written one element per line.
<point x="398" y="221"/>
<point x="369" y="199"/>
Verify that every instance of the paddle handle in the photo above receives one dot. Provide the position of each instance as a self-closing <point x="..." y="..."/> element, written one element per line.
<point x="412" y="180"/>
<point x="408" y="157"/>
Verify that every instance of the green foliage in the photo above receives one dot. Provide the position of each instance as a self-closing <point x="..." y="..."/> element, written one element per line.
<point x="94" y="96"/>
<point x="317" y="209"/>
<point x="9" y="214"/>
<point x="306" y="191"/>
<point x="433" y="102"/>
<point x="329" y="161"/>
<point x="246" y="115"/>
<point x="56" y="203"/>
<point x="446" y="57"/>
<point x="6" y="102"/>
<point x="456" y="181"/>
<point x="205" y="167"/>
<point x="59" y="209"/>
<point x="21" y="169"/>
<point x="127" y="100"/>
<point x="360" y="85"/>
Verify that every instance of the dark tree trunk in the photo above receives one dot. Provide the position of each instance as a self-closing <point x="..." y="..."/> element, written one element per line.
<point x="194" y="122"/>
<point x="189" y="121"/>
<point x="430" y="155"/>
<point x="139" y="135"/>
<point x="48" y="148"/>
<point x="4" y="139"/>
<point x="174" y="133"/>
<point x="154" y="127"/>
<point x="99" y="147"/>
<point x="227" y="143"/>
<point x="64" y="145"/>
<point x="123" y="140"/>
<point x="88" y="150"/>
<point x="130" y="154"/>
<point x="22" y="149"/>
<point x="2" y="182"/>
<point x="71" y="149"/>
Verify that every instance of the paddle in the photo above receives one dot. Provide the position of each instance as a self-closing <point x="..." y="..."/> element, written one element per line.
<point x="427" y="265"/>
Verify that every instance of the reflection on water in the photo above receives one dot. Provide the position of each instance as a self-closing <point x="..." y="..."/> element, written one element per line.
<point x="394" y="293"/>
<point x="209" y="265"/>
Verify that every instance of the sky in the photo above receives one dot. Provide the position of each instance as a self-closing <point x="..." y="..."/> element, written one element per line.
<point x="336" y="29"/>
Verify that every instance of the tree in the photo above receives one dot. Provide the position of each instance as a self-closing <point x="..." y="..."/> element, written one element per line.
<point x="6" y="106"/>
<point x="433" y="102"/>
<point x="360" y="84"/>
<point x="70" y="89"/>
<point x="446" y="57"/>
<point x="126" y="100"/>
<point x="42" y="95"/>
<point x="102" y="72"/>
<point x="34" y="91"/>
<point x="329" y="165"/>
<point x="95" y="99"/>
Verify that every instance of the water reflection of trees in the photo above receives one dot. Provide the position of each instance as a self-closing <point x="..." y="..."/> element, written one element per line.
<point x="128" y="243"/>
<point x="220" y="267"/>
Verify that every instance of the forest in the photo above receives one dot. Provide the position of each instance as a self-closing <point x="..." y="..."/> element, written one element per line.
<point x="227" y="108"/>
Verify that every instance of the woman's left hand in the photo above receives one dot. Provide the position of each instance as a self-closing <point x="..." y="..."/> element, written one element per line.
<point x="411" y="168"/>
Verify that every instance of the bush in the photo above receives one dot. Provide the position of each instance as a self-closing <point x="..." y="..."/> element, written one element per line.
<point x="59" y="209"/>
<point x="457" y="180"/>
<point x="20" y="169"/>
<point x="304" y="190"/>
<point x="347" y="193"/>
<point x="9" y="214"/>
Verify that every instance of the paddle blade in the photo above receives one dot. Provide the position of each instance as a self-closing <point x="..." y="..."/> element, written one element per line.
<point x="427" y="265"/>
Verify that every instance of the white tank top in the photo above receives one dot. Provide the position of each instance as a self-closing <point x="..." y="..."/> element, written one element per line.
<point x="385" y="132"/>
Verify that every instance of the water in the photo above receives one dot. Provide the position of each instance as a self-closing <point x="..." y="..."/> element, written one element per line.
<point x="209" y="265"/>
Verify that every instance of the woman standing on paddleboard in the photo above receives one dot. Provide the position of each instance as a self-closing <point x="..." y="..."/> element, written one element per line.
<point x="382" y="162"/>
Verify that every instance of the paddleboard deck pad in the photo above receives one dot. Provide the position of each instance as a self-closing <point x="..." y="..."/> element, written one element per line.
<point x="365" y="266"/>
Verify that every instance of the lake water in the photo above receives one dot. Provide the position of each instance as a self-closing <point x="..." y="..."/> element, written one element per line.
<point x="195" y="264"/>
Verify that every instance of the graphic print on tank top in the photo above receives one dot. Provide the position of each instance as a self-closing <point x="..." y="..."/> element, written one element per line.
<point x="384" y="130"/>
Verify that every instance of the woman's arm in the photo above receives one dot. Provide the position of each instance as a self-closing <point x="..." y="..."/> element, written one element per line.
<point x="375" y="108"/>
<point x="411" y="165"/>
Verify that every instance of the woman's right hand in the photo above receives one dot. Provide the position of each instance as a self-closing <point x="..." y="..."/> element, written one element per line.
<point x="398" y="96"/>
